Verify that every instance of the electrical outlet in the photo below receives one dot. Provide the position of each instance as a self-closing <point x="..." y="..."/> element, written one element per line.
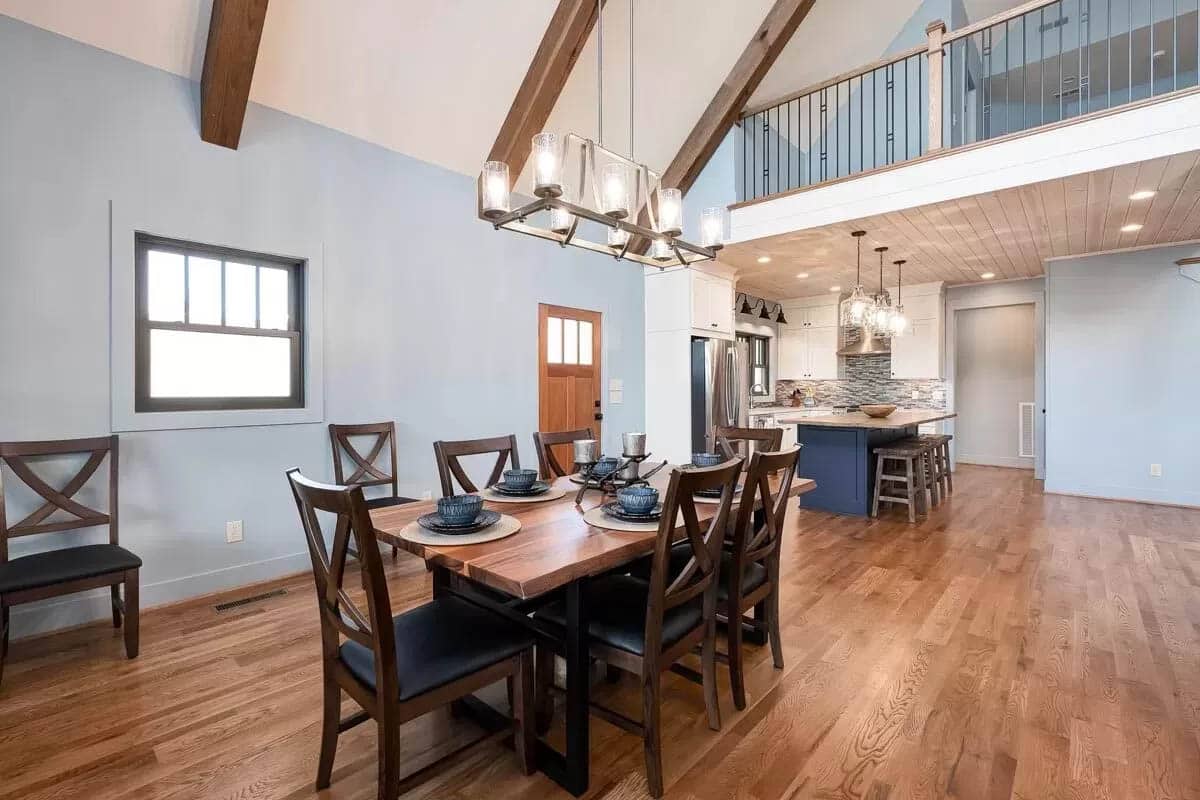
<point x="426" y="495"/>
<point x="1156" y="470"/>
<point x="233" y="531"/>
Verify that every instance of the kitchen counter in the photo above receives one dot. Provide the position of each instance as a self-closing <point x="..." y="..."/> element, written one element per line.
<point x="857" y="419"/>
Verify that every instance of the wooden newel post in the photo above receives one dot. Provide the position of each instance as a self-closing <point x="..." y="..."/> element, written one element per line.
<point x="935" y="31"/>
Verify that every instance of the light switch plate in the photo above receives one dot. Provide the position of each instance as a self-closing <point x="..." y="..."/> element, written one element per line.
<point x="233" y="531"/>
<point x="1156" y="470"/>
<point x="615" y="397"/>
<point x="616" y="385"/>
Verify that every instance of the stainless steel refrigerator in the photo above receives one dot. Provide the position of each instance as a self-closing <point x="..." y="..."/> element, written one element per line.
<point x="720" y="389"/>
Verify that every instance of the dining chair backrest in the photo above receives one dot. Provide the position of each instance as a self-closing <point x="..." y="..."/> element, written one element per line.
<point x="544" y="443"/>
<point x="16" y="456"/>
<point x="450" y="468"/>
<point x="756" y="537"/>
<point x="701" y="571"/>
<point x="340" y="615"/>
<point x="369" y="469"/>
<point x="736" y="441"/>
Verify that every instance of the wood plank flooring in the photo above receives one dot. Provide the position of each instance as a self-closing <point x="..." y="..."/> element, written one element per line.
<point x="1013" y="644"/>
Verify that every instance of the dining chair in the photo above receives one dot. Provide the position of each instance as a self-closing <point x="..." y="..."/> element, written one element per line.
<point x="736" y="441"/>
<point x="397" y="668"/>
<point x="645" y="626"/>
<point x="544" y="443"/>
<point x="71" y="569"/>
<point x="450" y="468"/>
<point x="369" y="469"/>
<point x="750" y="566"/>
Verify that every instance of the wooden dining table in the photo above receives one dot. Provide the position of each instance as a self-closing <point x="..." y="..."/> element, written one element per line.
<point x="555" y="550"/>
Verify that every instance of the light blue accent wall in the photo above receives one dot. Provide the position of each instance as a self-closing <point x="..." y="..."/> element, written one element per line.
<point x="1122" y="376"/>
<point x="430" y="316"/>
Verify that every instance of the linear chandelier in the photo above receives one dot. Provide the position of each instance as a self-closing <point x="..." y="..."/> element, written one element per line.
<point x="611" y="197"/>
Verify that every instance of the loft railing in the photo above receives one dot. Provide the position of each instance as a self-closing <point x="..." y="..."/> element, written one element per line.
<point x="1035" y="65"/>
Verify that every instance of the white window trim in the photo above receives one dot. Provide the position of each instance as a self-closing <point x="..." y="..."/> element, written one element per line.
<point x="125" y="223"/>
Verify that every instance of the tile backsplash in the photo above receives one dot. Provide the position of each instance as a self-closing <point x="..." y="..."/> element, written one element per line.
<point x="868" y="379"/>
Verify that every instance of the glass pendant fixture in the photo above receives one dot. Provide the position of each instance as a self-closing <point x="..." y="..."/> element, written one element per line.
<point x="670" y="212"/>
<point x="615" y="191"/>
<point x="547" y="165"/>
<point x="898" y="325"/>
<point x="560" y="220"/>
<point x="712" y="227"/>
<point x="856" y="307"/>
<point x="880" y="318"/>
<point x="617" y="238"/>
<point x="494" y="200"/>
<point x="660" y="250"/>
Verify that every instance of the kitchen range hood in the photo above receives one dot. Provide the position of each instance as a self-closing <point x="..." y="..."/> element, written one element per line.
<point x="867" y="345"/>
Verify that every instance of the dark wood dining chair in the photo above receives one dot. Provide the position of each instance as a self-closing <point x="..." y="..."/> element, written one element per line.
<point x="402" y="667"/>
<point x="750" y="566"/>
<point x="450" y="469"/>
<point x="645" y="626"/>
<point x="736" y="441"/>
<point x="369" y="468"/>
<point x="544" y="443"/>
<point x="72" y="569"/>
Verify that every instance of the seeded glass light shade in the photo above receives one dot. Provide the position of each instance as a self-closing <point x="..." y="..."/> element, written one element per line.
<point x="547" y="165"/>
<point x="617" y="237"/>
<point x="560" y="220"/>
<point x="661" y="249"/>
<point x="615" y="190"/>
<point x="670" y="212"/>
<point x="495" y="199"/>
<point x="898" y="322"/>
<point x="857" y="307"/>
<point x="881" y="316"/>
<point x="712" y="227"/>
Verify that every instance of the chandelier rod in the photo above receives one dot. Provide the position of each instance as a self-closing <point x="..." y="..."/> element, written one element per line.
<point x="631" y="80"/>
<point x="600" y="72"/>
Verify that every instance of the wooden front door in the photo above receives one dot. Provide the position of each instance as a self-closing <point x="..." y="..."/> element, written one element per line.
<point x="568" y="372"/>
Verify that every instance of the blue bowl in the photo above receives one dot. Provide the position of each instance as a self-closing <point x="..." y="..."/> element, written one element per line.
<point x="606" y="466"/>
<point x="519" y="479"/>
<point x="707" y="459"/>
<point x="638" y="499"/>
<point x="461" y="509"/>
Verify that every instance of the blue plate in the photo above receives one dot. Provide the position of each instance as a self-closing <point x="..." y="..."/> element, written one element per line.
<point x="614" y="509"/>
<point x="434" y="522"/>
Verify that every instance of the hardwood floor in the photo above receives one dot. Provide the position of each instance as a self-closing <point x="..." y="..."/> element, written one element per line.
<point x="1014" y="644"/>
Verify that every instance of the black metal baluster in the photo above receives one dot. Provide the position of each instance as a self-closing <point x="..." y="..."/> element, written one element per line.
<point x="862" y="142"/>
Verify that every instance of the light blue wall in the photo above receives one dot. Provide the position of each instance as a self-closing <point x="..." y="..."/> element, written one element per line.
<point x="1123" y="376"/>
<point x="430" y="316"/>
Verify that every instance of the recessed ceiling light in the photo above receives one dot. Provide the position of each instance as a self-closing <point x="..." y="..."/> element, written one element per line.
<point x="764" y="259"/>
<point x="987" y="276"/>
<point x="1132" y="227"/>
<point x="1145" y="194"/>
<point x="835" y="288"/>
<point x="801" y="275"/>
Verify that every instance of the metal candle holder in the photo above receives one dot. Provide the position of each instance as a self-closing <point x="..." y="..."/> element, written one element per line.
<point x="617" y="479"/>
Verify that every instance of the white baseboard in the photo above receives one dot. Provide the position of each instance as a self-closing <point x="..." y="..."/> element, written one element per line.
<point x="78" y="609"/>
<point x="1126" y="494"/>
<point x="1015" y="462"/>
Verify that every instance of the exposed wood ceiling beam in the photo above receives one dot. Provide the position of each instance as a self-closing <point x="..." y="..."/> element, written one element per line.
<point x="234" y="32"/>
<point x="556" y="55"/>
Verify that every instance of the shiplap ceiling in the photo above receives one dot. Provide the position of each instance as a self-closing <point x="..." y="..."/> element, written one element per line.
<point x="1008" y="233"/>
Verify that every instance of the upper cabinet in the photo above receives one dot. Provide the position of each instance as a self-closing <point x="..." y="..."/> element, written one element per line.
<point x="689" y="300"/>
<point x="712" y="304"/>
<point x="918" y="354"/>
<point x="808" y="343"/>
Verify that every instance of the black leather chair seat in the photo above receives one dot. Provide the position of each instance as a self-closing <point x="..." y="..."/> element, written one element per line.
<point x="385" y="502"/>
<point x="753" y="575"/>
<point x="440" y="642"/>
<point x="616" y="609"/>
<point x="60" y="566"/>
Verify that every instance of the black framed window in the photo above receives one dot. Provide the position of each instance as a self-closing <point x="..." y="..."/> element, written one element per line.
<point x="217" y="329"/>
<point x="759" y="372"/>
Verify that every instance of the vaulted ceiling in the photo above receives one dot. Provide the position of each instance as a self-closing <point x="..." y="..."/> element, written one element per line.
<point x="434" y="80"/>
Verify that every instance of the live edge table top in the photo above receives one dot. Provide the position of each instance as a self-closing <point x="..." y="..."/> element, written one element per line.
<point x="554" y="546"/>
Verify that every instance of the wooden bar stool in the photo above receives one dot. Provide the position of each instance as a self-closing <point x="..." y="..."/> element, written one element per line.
<point x="912" y="454"/>
<point x="942" y="480"/>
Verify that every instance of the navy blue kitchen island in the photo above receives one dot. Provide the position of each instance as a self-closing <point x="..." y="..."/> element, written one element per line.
<point x="837" y="454"/>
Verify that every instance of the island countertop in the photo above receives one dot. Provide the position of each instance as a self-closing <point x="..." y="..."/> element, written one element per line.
<point x="857" y="419"/>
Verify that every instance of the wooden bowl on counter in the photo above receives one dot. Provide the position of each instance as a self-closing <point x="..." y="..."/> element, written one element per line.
<point x="877" y="411"/>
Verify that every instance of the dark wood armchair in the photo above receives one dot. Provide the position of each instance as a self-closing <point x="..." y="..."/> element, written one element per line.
<point x="399" y="668"/>
<point x="450" y="469"/>
<point x="369" y="468"/>
<point x="548" y="461"/>
<point x="750" y="566"/>
<point x="737" y="441"/>
<point x="72" y="569"/>
<point x="645" y="626"/>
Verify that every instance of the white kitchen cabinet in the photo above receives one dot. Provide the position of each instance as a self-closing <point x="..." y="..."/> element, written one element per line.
<point x="712" y="304"/>
<point x="808" y="354"/>
<point x="919" y="354"/>
<point x="801" y="315"/>
<point x="689" y="300"/>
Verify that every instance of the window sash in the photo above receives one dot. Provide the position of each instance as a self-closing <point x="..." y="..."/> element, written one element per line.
<point x="143" y="401"/>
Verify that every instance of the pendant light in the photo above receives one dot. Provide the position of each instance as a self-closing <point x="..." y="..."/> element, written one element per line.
<point x="881" y="315"/>
<point x="856" y="307"/>
<point x="898" y="325"/>
<point x="746" y="307"/>
<point x="780" y="318"/>
<point x="763" y="314"/>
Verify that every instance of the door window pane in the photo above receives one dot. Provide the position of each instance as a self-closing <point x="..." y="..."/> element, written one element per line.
<point x="273" y="298"/>
<point x="570" y="341"/>
<point x="241" y="298"/>
<point x="585" y="343"/>
<point x="164" y="286"/>
<point x="194" y="364"/>
<point x="204" y="291"/>
<point x="554" y="328"/>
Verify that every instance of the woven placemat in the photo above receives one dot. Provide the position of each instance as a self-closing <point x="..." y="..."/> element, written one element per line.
<point x="597" y="518"/>
<point x="553" y="493"/>
<point x="507" y="526"/>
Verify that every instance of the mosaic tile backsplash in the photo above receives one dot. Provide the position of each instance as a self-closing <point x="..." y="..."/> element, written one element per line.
<point x="867" y="379"/>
